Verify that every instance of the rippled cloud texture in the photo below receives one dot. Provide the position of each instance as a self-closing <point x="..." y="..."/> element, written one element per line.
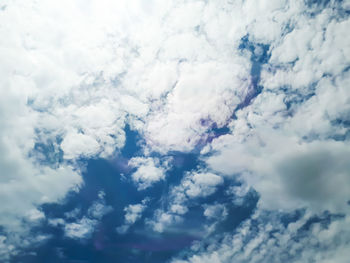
<point x="175" y="131"/>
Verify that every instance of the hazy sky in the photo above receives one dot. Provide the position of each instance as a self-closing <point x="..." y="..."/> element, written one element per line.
<point x="183" y="131"/>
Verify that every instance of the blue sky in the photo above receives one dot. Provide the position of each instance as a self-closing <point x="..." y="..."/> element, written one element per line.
<point x="174" y="131"/>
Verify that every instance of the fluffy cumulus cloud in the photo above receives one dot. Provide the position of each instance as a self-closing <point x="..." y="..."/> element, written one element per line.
<point x="258" y="91"/>
<point x="148" y="171"/>
<point x="201" y="184"/>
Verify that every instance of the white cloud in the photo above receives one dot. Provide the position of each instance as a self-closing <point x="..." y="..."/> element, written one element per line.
<point x="201" y="184"/>
<point x="56" y="222"/>
<point x="148" y="171"/>
<point x="79" y="71"/>
<point x="35" y="215"/>
<point x="163" y="221"/>
<point x="284" y="142"/>
<point x="239" y="192"/>
<point x="204" y="91"/>
<point x="84" y="227"/>
<point x="73" y="213"/>
<point x="6" y="250"/>
<point x="308" y="174"/>
<point x="76" y="144"/>
<point x="81" y="229"/>
<point x="29" y="187"/>
<point x="265" y="238"/>
<point x="318" y="47"/>
<point x="192" y="186"/>
<point x="178" y="209"/>
<point x="132" y="214"/>
<point x="99" y="208"/>
<point x="216" y="211"/>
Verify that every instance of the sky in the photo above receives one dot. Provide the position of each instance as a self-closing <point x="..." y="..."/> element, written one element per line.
<point x="183" y="131"/>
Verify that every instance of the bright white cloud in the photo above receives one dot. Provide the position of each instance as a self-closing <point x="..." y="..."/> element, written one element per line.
<point x="148" y="171"/>
<point x="201" y="184"/>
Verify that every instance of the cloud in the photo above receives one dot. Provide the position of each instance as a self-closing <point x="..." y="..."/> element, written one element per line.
<point x="204" y="91"/>
<point x="295" y="122"/>
<point x="148" y="171"/>
<point x="262" y="239"/>
<point x="192" y="186"/>
<point x="84" y="227"/>
<point x="81" y="229"/>
<point x="99" y="208"/>
<point x="216" y="211"/>
<point x="35" y="215"/>
<point x="201" y="184"/>
<point x="291" y="145"/>
<point x="80" y="71"/>
<point x="162" y="220"/>
<point x="309" y="174"/>
<point x="132" y="214"/>
<point x="6" y="250"/>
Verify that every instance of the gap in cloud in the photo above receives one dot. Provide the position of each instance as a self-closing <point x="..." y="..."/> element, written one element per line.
<point x="259" y="55"/>
<point x="212" y="133"/>
<point x="48" y="152"/>
<point x="324" y="219"/>
<point x="315" y="7"/>
<point x="132" y="144"/>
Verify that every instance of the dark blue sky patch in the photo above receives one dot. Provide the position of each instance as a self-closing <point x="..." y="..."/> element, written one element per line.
<point x="259" y="55"/>
<point x="133" y="143"/>
<point x="320" y="3"/>
<point x="237" y="214"/>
